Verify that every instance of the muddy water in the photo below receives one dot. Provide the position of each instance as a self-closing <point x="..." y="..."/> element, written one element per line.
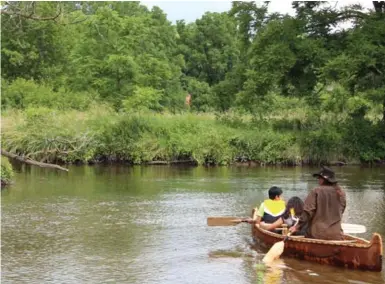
<point x="148" y="224"/>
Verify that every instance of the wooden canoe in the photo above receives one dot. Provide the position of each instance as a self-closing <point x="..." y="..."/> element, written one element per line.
<point x="352" y="252"/>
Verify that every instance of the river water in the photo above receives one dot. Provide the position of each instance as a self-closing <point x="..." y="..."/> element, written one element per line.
<point x="121" y="224"/>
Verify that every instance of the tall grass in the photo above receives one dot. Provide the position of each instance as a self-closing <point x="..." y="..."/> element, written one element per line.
<point x="100" y="134"/>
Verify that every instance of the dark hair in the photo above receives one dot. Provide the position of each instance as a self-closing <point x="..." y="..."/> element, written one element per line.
<point x="296" y="203"/>
<point x="326" y="182"/>
<point x="274" y="191"/>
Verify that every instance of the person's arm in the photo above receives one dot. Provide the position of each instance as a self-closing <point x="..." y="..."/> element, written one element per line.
<point x="273" y="226"/>
<point x="260" y="213"/>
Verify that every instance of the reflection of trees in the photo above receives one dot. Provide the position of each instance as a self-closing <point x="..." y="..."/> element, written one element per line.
<point x="16" y="165"/>
<point x="360" y="178"/>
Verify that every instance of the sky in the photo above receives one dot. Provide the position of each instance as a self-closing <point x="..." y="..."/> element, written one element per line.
<point x="192" y="10"/>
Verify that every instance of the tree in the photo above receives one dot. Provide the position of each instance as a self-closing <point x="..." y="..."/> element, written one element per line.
<point x="209" y="47"/>
<point x="360" y="66"/>
<point x="117" y="52"/>
<point x="32" y="45"/>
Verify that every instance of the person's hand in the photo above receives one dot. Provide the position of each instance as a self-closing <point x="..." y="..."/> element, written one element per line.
<point x="293" y="229"/>
<point x="248" y="220"/>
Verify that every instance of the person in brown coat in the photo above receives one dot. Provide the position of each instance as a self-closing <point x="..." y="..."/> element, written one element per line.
<point x="323" y="209"/>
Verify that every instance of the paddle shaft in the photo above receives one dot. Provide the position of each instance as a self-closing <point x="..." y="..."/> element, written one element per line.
<point x="287" y="236"/>
<point x="226" y="221"/>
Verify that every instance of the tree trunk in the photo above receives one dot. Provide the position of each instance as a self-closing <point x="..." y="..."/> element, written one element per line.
<point x="379" y="6"/>
<point x="31" y="162"/>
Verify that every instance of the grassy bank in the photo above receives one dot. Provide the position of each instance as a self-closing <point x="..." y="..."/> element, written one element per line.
<point x="6" y="173"/>
<point x="102" y="135"/>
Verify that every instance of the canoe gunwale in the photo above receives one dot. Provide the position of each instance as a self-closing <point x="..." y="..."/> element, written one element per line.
<point x="362" y="243"/>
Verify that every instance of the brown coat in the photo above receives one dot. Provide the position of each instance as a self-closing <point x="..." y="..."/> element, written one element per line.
<point x="322" y="213"/>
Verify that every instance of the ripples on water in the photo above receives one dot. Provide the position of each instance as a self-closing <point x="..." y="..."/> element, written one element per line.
<point x="148" y="225"/>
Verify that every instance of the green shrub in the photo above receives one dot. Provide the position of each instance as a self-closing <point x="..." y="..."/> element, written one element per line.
<point x="143" y="99"/>
<point x="267" y="146"/>
<point x="321" y="145"/>
<point x="22" y="94"/>
<point x="201" y="94"/>
<point x="364" y="140"/>
<point x="6" y="171"/>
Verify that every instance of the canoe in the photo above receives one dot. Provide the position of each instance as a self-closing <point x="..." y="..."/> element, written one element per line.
<point x="352" y="252"/>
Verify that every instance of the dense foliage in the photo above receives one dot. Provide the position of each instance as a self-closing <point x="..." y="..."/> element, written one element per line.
<point x="6" y="172"/>
<point x="93" y="81"/>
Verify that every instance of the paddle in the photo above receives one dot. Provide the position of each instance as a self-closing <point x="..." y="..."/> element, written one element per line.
<point x="353" y="228"/>
<point x="277" y="249"/>
<point x="232" y="221"/>
<point x="225" y="221"/>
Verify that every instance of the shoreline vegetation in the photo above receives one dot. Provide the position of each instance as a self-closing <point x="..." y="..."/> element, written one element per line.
<point x="101" y="135"/>
<point x="116" y="82"/>
<point x="6" y="173"/>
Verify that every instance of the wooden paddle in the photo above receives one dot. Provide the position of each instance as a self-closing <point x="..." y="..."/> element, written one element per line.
<point x="226" y="221"/>
<point x="275" y="251"/>
<point x="232" y="221"/>
<point x="353" y="228"/>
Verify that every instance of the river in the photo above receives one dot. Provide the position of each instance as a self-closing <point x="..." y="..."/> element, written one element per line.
<point x="122" y="224"/>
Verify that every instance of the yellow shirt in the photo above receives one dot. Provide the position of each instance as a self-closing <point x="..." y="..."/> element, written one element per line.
<point x="272" y="207"/>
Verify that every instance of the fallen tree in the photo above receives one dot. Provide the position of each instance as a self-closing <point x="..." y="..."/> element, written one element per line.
<point x="31" y="162"/>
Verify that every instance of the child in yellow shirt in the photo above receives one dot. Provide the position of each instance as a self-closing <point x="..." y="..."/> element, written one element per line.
<point x="271" y="209"/>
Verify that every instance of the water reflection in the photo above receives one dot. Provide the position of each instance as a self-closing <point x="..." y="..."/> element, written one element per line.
<point x="123" y="224"/>
<point x="272" y="273"/>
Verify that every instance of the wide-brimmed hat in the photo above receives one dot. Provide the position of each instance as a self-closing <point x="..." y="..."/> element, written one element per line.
<point x="326" y="173"/>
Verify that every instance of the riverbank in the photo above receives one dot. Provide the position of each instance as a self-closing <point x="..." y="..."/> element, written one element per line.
<point x="100" y="135"/>
<point x="6" y="173"/>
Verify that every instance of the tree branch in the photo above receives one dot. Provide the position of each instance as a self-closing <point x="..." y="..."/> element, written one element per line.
<point x="31" y="15"/>
<point x="31" y="162"/>
<point x="75" y="22"/>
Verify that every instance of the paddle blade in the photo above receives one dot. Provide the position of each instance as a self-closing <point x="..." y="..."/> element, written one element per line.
<point x="353" y="228"/>
<point x="223" y="221"/>
<point x="275" y="252"/>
